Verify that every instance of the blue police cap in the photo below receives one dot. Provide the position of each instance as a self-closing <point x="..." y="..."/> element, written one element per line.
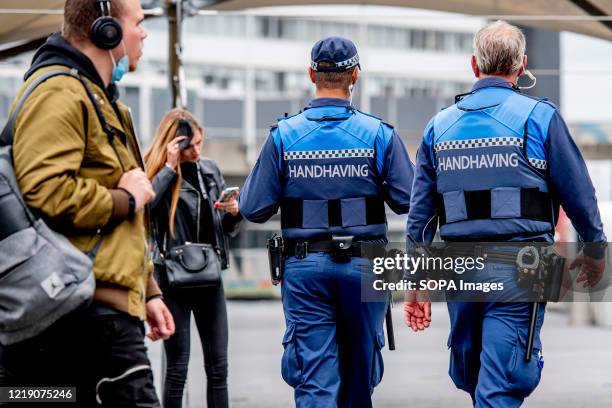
<point x="337" y="50"/>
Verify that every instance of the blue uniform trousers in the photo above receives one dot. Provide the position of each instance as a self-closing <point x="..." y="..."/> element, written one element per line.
<point x="488" y="342"/>
<point x="333" y="339"/>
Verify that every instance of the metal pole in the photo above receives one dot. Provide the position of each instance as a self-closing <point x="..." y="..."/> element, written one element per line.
<point x="174" y="10"/>
<point x="364" y="98"/>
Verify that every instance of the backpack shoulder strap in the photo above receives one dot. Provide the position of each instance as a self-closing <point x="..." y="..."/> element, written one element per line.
<point x="94" y="100"/>
<point x="6" y="137"/>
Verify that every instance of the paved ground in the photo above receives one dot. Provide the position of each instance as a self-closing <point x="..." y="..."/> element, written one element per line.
<point x="578" y="370"/>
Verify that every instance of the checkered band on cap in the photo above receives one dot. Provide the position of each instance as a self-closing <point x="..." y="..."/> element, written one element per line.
<point x="346" y="64"/>
<point x="476" y="143"/>
<point x="328" y="154"/>
<point x="538" y="163"/>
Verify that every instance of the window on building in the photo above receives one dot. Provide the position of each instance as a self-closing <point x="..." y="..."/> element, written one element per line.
<point x="279" y="81"/>
<point x="289" y="28"/>
<point x="465" y="41"/>
<point x="269" y="27"/>
<point x="441" y="41"/>
<point x="162" y="103"/>
<point x="375" y="36"/>
<point x="5" y="104"/>
<point x="263" y="26"/>
<point x="430" y="40"/>
<point x="417" y="39"/>
<point x="234" y="26"/>
<point x="209" y="79"/>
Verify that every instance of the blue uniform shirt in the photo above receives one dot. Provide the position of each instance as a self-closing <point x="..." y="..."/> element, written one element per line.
<point x="390" y="175"/>
<point x="549" y="142"/>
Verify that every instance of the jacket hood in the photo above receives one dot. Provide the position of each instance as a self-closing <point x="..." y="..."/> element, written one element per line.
<point x="58" y="51"/>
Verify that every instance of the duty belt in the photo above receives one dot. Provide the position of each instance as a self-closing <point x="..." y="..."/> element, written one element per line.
<point x="341" y="248"/>
<point x="491" y="254"/>
<point x="302" y="248"/>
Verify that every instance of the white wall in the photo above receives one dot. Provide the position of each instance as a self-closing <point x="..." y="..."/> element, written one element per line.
<point x="586" y="81"/>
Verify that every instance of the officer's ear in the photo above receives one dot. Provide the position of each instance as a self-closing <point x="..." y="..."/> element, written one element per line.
<point x="524" y="66"/>
<point x="475" y="68"/>
<point x="355" y="75"/>
<point x="311" y="74"/>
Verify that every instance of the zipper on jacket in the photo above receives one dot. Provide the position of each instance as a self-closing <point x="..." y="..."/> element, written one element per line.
<point x="200" y="196"/>
<point x="216" y="221"/>
<point x="198" y="219"/>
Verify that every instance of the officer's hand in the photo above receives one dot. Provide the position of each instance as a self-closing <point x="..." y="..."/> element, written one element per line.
<point x="173" y="152"/>
<point x="417" y="309"/>
<point x="159" y="319"/>
<point x="591" y="269"/>
<point x="136" y="182"/>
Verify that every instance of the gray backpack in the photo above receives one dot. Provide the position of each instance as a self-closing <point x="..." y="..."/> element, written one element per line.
<point x="42" y="275"/>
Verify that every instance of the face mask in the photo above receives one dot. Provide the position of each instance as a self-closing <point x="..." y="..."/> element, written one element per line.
<point x="530" y="76"/>
<point x="121" y="67"/>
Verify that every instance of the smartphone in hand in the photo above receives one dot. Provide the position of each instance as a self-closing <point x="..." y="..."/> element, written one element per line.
<point x="228" y="194"/>
<point x="185" y="129"/>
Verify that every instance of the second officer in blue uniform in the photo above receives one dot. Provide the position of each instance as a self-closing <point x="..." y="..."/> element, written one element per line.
<point x="493" y="167"/>
<point x="330" y="169"/>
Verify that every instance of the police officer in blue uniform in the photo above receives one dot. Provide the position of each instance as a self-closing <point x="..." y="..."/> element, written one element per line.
<point x="495" y="166"/>
<point x="330" y="169"/>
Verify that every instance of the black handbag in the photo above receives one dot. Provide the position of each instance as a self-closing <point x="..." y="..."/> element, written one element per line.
<point x="193" y="265"/>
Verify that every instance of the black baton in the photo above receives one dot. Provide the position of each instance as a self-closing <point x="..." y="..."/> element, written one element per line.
<point x="532" y="328"/>
<point x="389" y="322"/>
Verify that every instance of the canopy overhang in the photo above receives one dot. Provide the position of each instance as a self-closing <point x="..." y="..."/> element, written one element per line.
<point x="589" y="17"/>
<point x="25" y="22"/>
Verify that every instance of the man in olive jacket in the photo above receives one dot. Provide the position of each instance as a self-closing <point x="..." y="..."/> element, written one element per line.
<point x="91" y="187"/>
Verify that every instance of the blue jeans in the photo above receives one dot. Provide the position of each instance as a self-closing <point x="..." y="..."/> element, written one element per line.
<point x="333" y="339"/>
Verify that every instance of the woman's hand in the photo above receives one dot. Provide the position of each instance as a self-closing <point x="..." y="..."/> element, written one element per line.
<point x="174" y="152"/>
<point x="230" y="206"/>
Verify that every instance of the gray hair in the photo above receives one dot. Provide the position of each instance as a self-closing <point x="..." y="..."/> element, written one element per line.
<point x="499" y="48"/>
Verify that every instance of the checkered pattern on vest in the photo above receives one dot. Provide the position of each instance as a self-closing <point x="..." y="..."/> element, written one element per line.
<point x="475" y="143"/>
<point x="328" y="154"/>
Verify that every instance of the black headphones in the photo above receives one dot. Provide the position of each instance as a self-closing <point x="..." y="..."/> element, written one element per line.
<point x="106" y="32"/>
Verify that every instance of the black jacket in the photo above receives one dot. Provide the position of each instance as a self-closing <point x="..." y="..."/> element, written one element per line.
<point x="190" y="198"/>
